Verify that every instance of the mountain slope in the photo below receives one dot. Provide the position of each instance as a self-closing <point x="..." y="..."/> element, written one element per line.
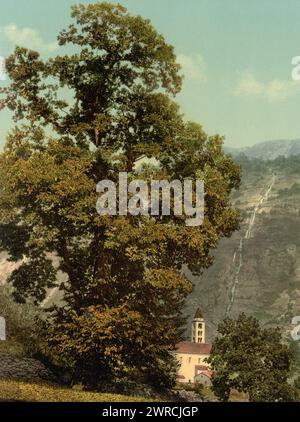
<point x="269" y="150"/>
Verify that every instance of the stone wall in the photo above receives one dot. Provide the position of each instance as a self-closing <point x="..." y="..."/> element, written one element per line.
<point x="12" y="367"/>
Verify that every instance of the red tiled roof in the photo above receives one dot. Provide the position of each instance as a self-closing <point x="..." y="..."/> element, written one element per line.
<point x="181" y="377"/>
<point x="204" y="370"/>
<point x="193" y="348"/>
<point x="202" y="367"/>
<point x="207" y="373"/>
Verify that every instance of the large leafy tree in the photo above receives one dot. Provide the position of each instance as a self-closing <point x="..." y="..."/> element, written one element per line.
<point x="251" y="359"/>
<point x="80" y="118"/>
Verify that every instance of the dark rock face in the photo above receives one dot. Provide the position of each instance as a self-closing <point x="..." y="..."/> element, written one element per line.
<point x="12" y="367"/>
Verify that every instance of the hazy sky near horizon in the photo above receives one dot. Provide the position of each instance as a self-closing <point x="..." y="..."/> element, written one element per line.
<point x="235" y="54"/>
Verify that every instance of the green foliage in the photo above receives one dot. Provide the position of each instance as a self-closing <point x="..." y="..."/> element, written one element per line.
<point x="125" y="291"/>
<point x="297" y="383"/>
<point x="252" y="360"/>
<point x="295" y="349"/>
<point x="21" y="326"/>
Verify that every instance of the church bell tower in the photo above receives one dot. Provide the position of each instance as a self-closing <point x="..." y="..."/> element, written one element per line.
<point x="198" y="327"/>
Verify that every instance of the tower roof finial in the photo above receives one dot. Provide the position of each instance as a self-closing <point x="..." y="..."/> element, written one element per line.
<point x="198" y="313"/>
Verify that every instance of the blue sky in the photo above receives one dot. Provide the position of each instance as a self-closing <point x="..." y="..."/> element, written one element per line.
<point x="236" y="56"/>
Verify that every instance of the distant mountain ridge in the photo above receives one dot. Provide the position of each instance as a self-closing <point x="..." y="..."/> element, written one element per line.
<point x="268" y="150"/>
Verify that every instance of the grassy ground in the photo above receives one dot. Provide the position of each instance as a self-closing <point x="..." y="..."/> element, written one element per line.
<point x="11" y="390"/>
<point x="42" y="392"/>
